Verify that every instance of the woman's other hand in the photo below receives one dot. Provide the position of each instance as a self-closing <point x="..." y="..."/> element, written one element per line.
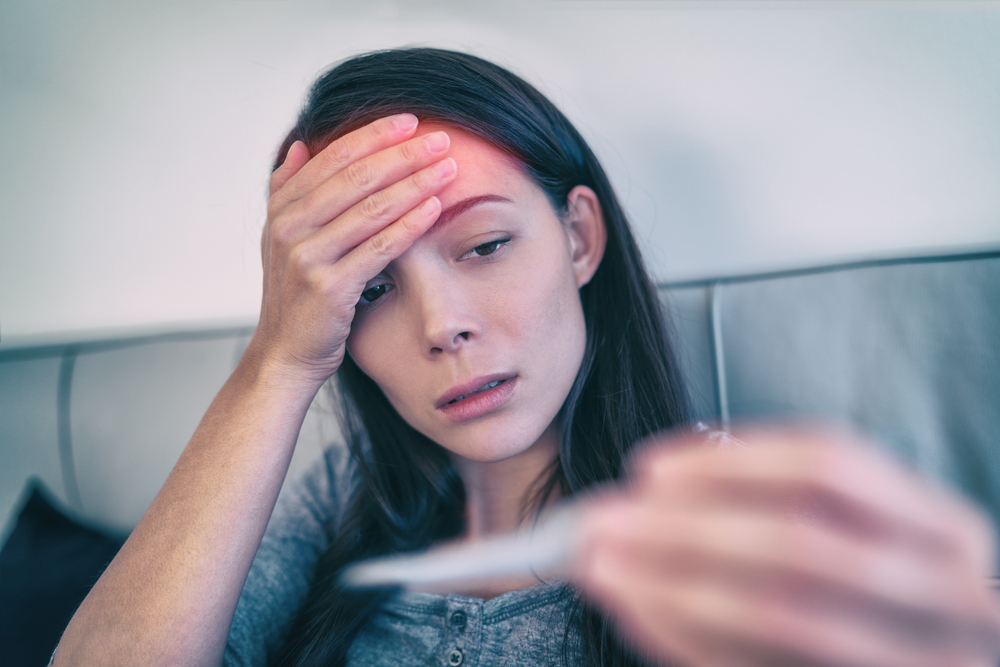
<point x="799" y="548"/>
<point x="334" y="222"/>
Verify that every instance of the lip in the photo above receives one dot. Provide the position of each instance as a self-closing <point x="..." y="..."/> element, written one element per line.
<point x="477" y="404"/>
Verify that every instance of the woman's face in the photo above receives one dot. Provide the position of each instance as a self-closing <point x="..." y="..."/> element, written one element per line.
<point x="489" y="295"/>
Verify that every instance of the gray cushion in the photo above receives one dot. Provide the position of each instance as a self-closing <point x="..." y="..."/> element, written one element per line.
<point x="908" y="352"/>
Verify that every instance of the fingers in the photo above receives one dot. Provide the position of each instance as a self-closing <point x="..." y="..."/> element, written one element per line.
<point x="363" y="181"/>
<point x="696" y="587"/>
<point x="348" y="149"/>
<point x="334" y="221"/>
<point x="376" y="230"/>
<point x="372" y="214"/>
<point x="316" y="194"/>
<point x="827" y="479"/>
<point x="764" y="550"/>
<point x="709" y="625"/>
<point x="372" y="192"/>
<point x="296" y="158"/>
<point x="339" y="284"/>
<point x="802" y="549"/>
<point x="378" y="250"/>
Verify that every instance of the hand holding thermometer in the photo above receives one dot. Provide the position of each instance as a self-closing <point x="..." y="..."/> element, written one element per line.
<point x="846" y="553"/>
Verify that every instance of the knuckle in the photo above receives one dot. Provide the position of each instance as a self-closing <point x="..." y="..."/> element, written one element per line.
<point x="380" y="244"/>
<point x="411" y="226"/>
<point x="282" y="232"/>
<point x="317" y="283"/>
<point x="338" y="153"/>
<point x="421" y="180"/>
<point x="375" y="206"/>
<point x="360" y="174"/>
<point x="408" y="151"/>
<point x="323" y="285"/>
<point x="300" y="256"/>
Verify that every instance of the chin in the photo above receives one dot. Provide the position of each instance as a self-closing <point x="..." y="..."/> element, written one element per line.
<point x="486" y="454"/>
<point x="499" y="443"/>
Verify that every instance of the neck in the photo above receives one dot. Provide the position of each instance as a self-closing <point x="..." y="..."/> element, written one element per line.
<point x="496" y="491"/>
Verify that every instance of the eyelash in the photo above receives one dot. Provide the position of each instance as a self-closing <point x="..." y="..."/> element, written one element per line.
<point x="496" y="244"/>
<point x="374" y="295"/>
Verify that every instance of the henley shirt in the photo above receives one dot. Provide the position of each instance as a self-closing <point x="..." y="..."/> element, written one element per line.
<point x="523" y="627"/>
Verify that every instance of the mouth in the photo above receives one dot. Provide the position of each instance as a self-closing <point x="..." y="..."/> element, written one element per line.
<point x="467" y="390"/>
<point x="488" y="385"/>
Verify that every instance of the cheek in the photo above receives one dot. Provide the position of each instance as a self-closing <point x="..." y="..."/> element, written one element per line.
<point x="371" y="347"/>
<point x="376" y="347"/>
<point x="545" y="308"/>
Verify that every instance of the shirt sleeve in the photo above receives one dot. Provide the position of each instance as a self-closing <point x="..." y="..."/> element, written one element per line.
<point x="283" y="568"/>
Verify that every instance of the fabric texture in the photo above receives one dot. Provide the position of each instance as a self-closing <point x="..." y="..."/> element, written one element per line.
<point x="524" y="627"/>
<point x="47" y="567"/>
<point x="282" y="570"/>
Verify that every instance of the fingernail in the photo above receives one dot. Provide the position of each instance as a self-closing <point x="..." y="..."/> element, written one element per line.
<point x="429" y="206"/>
<point x="288" y="153"/>
<point x="405" y="121"/>
<point x="444" y="168"/>
<point x="436" y="141"/>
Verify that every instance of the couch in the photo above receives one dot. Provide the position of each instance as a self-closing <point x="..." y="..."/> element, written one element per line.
<point x="907" y="350"/>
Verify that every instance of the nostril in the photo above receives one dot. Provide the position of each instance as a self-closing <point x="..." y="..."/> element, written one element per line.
<point x="447" y="341"/>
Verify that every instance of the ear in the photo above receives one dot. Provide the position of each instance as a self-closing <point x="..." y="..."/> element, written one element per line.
<point x="586" y="232"/>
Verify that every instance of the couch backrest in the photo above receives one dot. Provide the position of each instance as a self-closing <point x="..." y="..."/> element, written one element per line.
<point x="907" y="351"/>
<point x="102" y="423"/>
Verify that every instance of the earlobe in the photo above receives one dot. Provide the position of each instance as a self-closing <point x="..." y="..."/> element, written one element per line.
<point x="587" y="233"/>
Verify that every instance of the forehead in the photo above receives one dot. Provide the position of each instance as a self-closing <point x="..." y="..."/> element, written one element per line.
<point x="482" y="168"/>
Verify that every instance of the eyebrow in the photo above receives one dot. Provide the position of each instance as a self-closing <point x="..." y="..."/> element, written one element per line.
<point x="461" y="207"/>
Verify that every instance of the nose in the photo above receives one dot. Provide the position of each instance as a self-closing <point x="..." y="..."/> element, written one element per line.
<point x="448" y="317"/>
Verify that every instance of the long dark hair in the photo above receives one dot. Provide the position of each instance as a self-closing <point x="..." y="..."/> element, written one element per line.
<point x="407" y="493"/>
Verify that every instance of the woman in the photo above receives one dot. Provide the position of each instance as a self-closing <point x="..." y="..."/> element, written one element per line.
<point x="441" y="238"/>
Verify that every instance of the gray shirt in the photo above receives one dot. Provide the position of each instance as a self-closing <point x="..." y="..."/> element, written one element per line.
<point x="523" y="627"/>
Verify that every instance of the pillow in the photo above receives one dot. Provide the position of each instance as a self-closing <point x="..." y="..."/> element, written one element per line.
<point x="47" y="567"/>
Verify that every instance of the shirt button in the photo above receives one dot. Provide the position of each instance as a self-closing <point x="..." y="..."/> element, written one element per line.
<point x="455" y="658"/>
<point x="458" y="619"/>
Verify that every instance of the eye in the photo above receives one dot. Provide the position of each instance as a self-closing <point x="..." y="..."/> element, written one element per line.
<point x="488" y="248"/>
<point x="485" y="249"/>
<point x="374" y="293"/>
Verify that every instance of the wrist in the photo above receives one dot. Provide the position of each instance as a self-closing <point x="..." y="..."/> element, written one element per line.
<point x="265" y="367"/>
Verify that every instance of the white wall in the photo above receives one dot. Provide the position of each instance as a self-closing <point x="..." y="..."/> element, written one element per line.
<point x="136" y="137"/>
